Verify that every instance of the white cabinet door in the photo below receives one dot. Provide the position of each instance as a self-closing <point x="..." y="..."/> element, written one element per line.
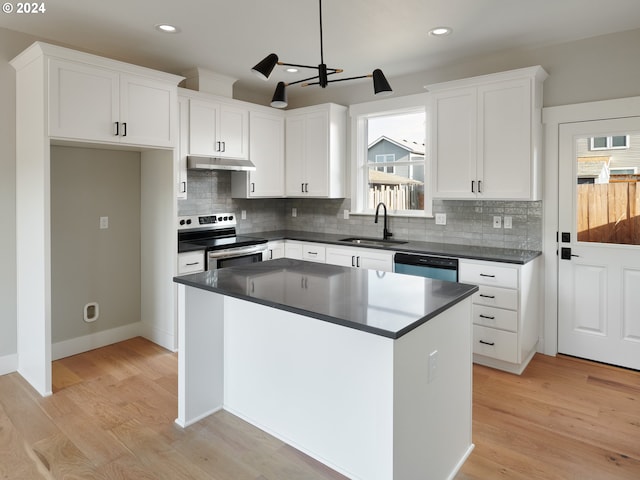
<point x="203" y="122"/>
<point x="84" y="101"/>
<point x="345" y="257"/>
<point x="453" y="137"/>
<point x="375" y="260"/>
<point x="295" y="155"/>
<point x="315" y="152"/>
<point x="183" y="145"/>
<point x="274" y="250"/>
<point x="218" y="130"/>
<point x="266" y="146"/>
<point x="147" y="111"/>
<point x="504" y="143"/>
<point x="233" y="132"/>
<point x="370" y="259"/>
<point x="293" y="250"/>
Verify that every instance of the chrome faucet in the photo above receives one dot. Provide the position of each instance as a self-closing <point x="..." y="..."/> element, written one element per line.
<point x="385" y="231"/>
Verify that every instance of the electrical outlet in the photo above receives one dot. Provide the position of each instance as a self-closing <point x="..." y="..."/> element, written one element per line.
<point x="441" y="218"/>
<point x="508" y="222"/>
<point x="104" y="223"/>
<point x="497" y="222"/>
<point x="346" y="214"/>
<point x="243" y="215"/>
<point x="432" y="366"/>
<point x="294" y="212"/>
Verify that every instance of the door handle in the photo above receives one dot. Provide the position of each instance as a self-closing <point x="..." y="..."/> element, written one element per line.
<point x="565" y="253"/>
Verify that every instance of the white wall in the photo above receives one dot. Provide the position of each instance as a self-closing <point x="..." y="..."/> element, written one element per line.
<point x="89" y="264"/>
<point x="593" y="69"/>
<point x="10" y="45"/>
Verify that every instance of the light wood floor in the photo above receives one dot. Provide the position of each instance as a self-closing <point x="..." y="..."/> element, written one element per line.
<point x="111" y="417"/>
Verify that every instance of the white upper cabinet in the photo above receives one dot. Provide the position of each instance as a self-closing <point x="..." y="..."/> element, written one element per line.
<point x="266" y="151"/>
<point x="183" y="145"/>
<point x="94" y="101"/>
<point x="316" y="151"/>
<point x="218" y="129"/>
<point x="486" y="136"/>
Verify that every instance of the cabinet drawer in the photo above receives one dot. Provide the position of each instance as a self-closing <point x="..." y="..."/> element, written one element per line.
<point x="495" y="343"/>
<point x="191" y="262"/>
<point x="483" y="274"/>
<point x="496" y="297"/>
<point x="313" y="252"/>
<point x="495" y="317"/>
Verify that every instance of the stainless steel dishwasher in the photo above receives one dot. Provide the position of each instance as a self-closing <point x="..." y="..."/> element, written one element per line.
<point x="429" y="266"/>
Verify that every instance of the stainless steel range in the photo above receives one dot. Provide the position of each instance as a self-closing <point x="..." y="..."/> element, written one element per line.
<point x="215" y="235"/>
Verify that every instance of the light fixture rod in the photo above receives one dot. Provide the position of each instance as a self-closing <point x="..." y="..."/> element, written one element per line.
<point x="321" y="42"/>
<point x="315" y="67"/>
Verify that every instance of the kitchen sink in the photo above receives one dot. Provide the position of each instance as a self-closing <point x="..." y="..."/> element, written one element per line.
<point x="372" y="242"/>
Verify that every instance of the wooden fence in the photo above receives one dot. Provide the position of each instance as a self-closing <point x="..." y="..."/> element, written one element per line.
<point x="609" y="213"/>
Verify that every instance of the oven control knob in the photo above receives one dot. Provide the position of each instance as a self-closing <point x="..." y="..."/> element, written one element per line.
<point x="182" y="222"/>
<point x="219" y="219"/>
<point x="189" y="221"/>
<point x="230" y="217"/>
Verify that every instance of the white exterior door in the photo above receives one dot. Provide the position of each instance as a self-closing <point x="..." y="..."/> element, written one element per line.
<point x="599" y="242"/>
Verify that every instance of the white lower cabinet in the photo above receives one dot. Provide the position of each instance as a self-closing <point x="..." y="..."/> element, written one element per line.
<point x="191" y="262"/>
<point x="360" y="258"/>
<point x="275" y="249"/>
<point x="506" y="318"/>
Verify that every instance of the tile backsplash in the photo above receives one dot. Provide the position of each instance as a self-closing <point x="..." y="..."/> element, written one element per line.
<point x="469" y="222"/>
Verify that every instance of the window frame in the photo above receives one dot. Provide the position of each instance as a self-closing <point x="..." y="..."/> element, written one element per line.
<point x="359" y="114"/>
<point x="609" y="143"/>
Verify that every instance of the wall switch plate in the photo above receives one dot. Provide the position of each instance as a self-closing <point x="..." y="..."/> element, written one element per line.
<point x="243" y="215"/>
<point x="508" y="222"/>
<point x="294" y="212"/>
<point x="432" y="366"/>
<point x="441" y="218"/>
<point x="346" y="214"/>
<point x="104" y="223"/>
<point x="497" y="222"/>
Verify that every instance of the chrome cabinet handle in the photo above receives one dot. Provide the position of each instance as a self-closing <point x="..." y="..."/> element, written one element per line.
<point x="124" y="129"/>
<point x="487" y="317"/>
<point x="487" y="275"/>
<point x="487" y="296"/>
<point x="117" y="128"/>
<point x="491" y="344"/>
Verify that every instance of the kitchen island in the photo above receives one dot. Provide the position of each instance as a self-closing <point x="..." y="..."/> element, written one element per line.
<point x="369" y="372"/>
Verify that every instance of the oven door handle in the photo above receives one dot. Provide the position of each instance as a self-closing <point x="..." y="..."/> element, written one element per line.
<point x="237" y="252"/>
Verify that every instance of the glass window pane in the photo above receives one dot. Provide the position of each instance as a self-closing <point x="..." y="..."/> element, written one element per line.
<point x="392" y="139"/>
<point x="608" y="194"/>
<point x="619" y="141"/>
<point x="599" y="142"/>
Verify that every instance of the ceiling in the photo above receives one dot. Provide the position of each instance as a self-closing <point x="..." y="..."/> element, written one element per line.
<point x="230" y="36"/>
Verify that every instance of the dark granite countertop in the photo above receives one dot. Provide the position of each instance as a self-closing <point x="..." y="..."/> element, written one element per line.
<point x="491" y="254"/>
<point x="382" y="303"/>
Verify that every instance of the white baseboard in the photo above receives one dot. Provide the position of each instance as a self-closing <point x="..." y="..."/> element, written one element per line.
<point x="74" y="346"/>
<point x="165" y="340"/>
<point x="8" y="364"/>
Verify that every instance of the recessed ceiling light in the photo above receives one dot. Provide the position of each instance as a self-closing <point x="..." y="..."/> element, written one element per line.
<point x="166" y="28"/>
<point x="291" y="70"/>
<point x="440" y="31"/>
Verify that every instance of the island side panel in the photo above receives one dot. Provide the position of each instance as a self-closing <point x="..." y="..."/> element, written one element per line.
<point x="200" y="354"/>
<point x="323" y="388"/>
<point x="432" y="410"/>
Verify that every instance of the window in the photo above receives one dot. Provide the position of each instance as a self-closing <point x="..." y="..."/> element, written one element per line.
<point x="391" y="156"/>
<point x="388" y="158"/>
<point x="609" y="143"/>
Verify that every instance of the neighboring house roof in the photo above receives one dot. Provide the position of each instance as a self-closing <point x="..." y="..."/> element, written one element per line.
<point x="592" y="166"/>
<point x="412" y="147"/>
<point x="590" y="169"/>
<point x="384" y="178"/>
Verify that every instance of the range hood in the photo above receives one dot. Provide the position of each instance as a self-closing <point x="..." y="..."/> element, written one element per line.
<point x="196" y="162"/>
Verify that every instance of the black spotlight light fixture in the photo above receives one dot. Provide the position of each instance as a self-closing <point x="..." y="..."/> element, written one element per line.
<point x="264" y="68"/>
